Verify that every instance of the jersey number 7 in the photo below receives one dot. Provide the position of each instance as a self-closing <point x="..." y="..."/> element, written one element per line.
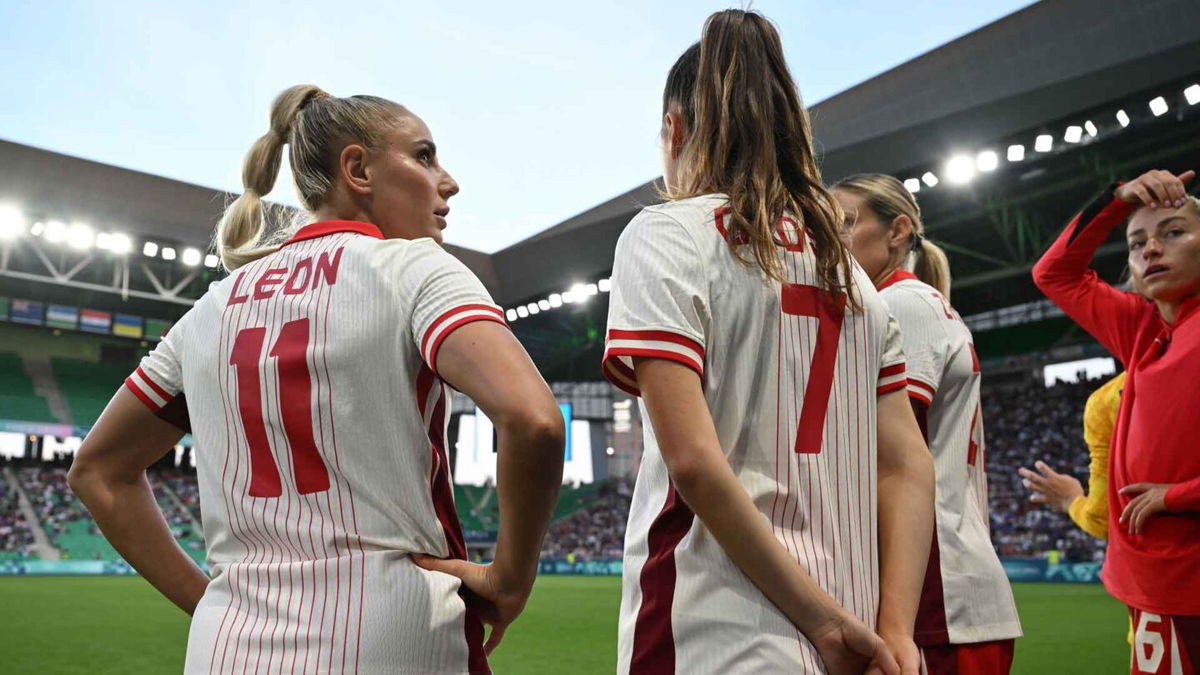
<point x="829" y="309"/>
<point x="295" y="403"/>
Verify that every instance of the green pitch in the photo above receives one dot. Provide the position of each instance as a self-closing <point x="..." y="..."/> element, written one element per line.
<point x="100" y="625"/>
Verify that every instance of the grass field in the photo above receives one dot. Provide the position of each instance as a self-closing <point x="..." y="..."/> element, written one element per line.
<point x="101" y="625"/>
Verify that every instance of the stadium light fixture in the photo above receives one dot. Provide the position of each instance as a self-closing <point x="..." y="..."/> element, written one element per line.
<point x="150" y="249"/>
<point x="1122" y="118"/>
<point x="80" y="236"/>
<point x="532" y="308"/>
<point x="929" y="179"/>
<point x="212" y="261"/>
<point x="544" y="305"/>
<point x="1016" y="152"/>
<point x="103" y="241"/>
<point x="1043" y="143"/>
<point x="37" y="229"/>
<point x="1158" y="106"/>
<point x="913" y="185"/>
<point x="555" y="299"/>
<point x="191" y="257"/>
<point x="610" y="452"/>
<point x="1192" y="94"/>
<point x="591" y="289"/>
<point x="1074" y="134"/>
<point x="12" y="222"/>
<point x="987" y="161"/>
<point x="578" y="293"/>
<point x="511" y="314"/>
<point x="1091" y="129"/>
<point x="168" y="253"/>
<point x="56" y="232"/>
<point x="522" y="312"/>
<point x="960" y="169"/>
<point x="605" y="285"/>
<point x="119" y="243"/>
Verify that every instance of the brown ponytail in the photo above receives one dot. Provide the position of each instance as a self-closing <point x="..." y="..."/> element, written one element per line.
<point x="316" y="126"/>
<point x="748" y="136"/>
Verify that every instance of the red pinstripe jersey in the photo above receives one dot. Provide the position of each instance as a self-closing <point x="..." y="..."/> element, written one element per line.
<point x="319" y="420"/>
<point x="966" y="597"/>
<point x="791" y="376"/>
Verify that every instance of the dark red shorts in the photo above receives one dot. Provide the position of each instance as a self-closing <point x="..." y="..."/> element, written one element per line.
<point x="975" y="658"/>
<point x="1164" y="644"/>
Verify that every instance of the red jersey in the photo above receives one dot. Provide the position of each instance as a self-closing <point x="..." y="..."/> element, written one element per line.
<point x="1155" y="437"/>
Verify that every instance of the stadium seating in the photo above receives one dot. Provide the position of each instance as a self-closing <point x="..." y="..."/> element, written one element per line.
<point x="88" y="386"/>
<point x="17" y="398"/>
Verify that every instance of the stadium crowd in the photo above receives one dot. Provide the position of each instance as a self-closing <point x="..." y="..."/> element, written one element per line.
<point x="15" y="536"/>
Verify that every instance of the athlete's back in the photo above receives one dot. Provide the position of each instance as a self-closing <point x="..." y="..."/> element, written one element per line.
<point x="790" y="375"/>
<point x="319" y="426"/>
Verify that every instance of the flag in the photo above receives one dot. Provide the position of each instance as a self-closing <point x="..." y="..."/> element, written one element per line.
<point x="156" y="329"/>
<point x="61" y="316"/>
<point x="127" y="325"/>
<point x="95" y="321"/>
<point x="27" y="311"/>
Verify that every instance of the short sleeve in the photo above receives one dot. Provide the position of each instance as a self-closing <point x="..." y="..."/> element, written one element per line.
<point x="158" y="380"/>
<point x="926" y="344"/>
<point x="891" y="361"/>
<point x="444" y="296"/>
<point x="658" y="306"/>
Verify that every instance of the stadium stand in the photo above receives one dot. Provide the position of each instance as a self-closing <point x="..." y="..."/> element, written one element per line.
<point x="17" y="398"/>
<point x="16" y="539"/>
<point x="88" y="386"/>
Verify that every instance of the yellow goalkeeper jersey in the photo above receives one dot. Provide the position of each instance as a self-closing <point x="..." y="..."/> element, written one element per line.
<point x="1099" y="417"/>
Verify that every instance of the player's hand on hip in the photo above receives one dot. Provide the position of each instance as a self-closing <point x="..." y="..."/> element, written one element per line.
<point x="848" y="646"/>
<point x="1148" y="499"/>
<point x="499" y="602"/>
<point x="1054" y="489"/>
<point x="1156" y="189"/>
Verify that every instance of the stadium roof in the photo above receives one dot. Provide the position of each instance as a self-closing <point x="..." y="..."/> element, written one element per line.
<point x="1054" y="64"/>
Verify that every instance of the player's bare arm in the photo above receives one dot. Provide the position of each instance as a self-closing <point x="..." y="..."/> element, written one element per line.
<point x="109" y="477"/>
<point x="704" y="479"/>
<point x="906" y="490"/>
<point x="484" y="361"/>
<point x="1057" y="490"/>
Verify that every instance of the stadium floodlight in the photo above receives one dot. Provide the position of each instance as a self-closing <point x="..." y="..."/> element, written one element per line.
<point x="544" y="305"/>
<point x="578" y="293"/>
<point x="56" y="232"/>
<point x="150" y="249"/>
<point x="1016" y="152"/>
<point x="1192" y="94"/>
<point x="556" y="300"/>
<point x="1158" y="106"/>
<point x="511" y="314"/>
<point x="12" y="222"/>
<point x="103" y="241"/>
<point x="168" y="253"/>
<point x="929" y="179"/>
<point x="1074" y="134"/>
<point x="605" y="285"/>
<point x="191" y="257"/>
<point x="610" y="452"/>
<point x="80" y="236"/>
<point x="987" y="161"/>
<point x="532" y="308"/>
<point x="1091" y="129"/>
<point x="522" y="312"/>
<point x="37" y="229"/>
<point x="591" y="289"/>
<point x="1043" y="143"/>
<point x="120" y="243"/>
<point x="913" y="185"/>
<point x="212" y="261"/>
<point x="1123" y="118"/>
<point x="960" y="169"/>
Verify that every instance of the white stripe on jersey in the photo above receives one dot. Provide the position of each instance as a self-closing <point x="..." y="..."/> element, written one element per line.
<point x="446" y="323"/>
<point x="153" y="395"/>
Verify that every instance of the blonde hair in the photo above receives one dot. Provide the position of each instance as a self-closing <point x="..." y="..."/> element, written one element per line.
<point x="748" y="136"/>
<point x="889" y="199"/>
<point x="316" y="126"/>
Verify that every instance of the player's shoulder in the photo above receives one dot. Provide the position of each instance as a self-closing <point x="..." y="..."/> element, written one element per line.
<point x="915" y="299"/>
<point x="695" y="216"/>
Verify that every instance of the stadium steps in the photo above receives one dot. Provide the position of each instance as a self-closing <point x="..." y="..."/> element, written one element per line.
<point x="41" y="373"/>
<point x="45" y="550"/>
<point x="18" y="400"/>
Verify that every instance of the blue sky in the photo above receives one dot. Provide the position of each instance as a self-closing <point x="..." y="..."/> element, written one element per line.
<point x="540" y="109"/>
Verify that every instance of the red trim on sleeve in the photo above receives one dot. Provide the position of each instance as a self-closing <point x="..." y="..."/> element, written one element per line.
<point x="657" y="336"/>
<point x="433" y="325"/>
<point x="927" y="388"/>
<point x="153" y="385"/>
<point x="889" y="388"/>
<point x="918" y="396"/>
<point x="437" y="344"/>
<point x="888" y="371"/>
<point x="137" y="391"/>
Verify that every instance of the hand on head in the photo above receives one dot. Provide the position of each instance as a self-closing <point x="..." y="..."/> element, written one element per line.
<point x="1157" y="189"/>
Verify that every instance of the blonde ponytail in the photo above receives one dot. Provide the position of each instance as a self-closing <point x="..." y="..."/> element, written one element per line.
<point x="931" y="266"/>
<point x="240" y="234"/>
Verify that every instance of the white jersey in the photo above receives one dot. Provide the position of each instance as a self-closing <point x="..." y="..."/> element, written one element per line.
<point x="790" y="375"/>
<point x="319" y="421"/>
<point x="966" y="597"/>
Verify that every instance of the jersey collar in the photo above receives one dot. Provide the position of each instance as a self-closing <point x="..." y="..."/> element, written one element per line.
<point x="899" y="275"/>
<point x="328" y="227"/>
